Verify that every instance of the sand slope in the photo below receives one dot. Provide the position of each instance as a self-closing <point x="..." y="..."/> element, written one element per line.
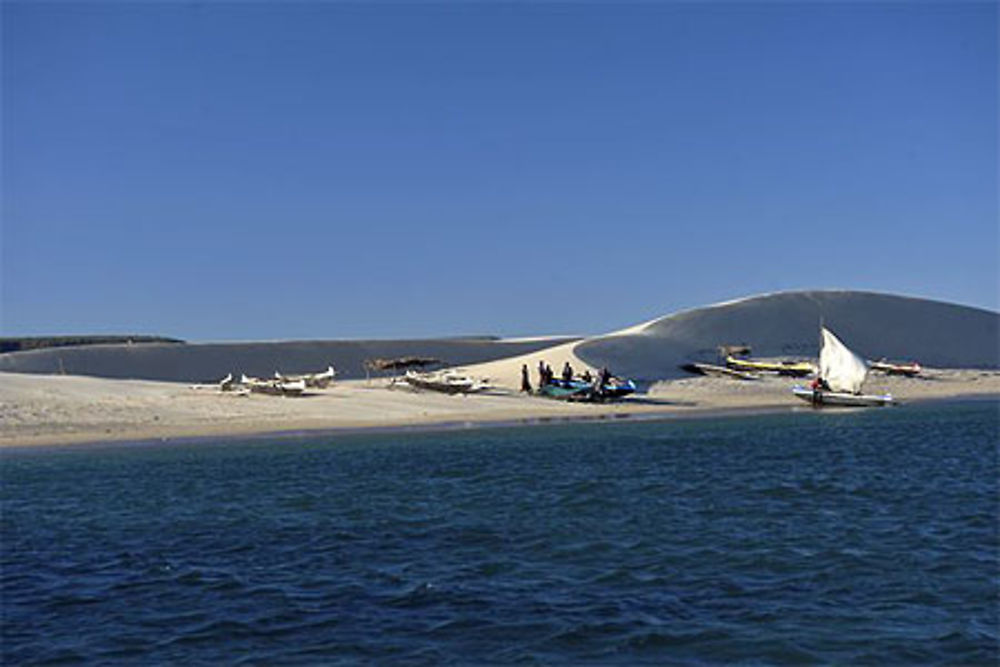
<point x="774" y="325"/>
<point x="202" y="362"/>
<point x="787" y="325"/>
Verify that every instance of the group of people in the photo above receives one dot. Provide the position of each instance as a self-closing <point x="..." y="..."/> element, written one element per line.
<point x="546" y="376"/>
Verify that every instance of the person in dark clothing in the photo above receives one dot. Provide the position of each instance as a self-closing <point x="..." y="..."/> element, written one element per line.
<point x="525" y="380"/>
<point x="567" y="374"/>
<point x="541" y="374"/>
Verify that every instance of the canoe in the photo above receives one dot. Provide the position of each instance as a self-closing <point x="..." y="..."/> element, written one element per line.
<point x="445" y="381"/>
<point x="566" y="389"/>
<point x="274" y="387"/>
<point x="616" y="388"/>
<point x="909" y="370"/>
<point x="579" y="390"/>
<point x="719" y="371"/>
<point x="792" y="368"/>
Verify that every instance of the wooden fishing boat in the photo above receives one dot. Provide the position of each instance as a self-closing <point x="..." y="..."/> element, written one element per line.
<point x="911" y="369"/>
<point x="615" y="388"/>
<point x="567" y="389"/>
<point x="273" y="387"/>
<point x="718" y="371"/>
<point x="581" y="390"/>
<point x="448" y="382"/>
<point x="312" y="380"/>
<point x="790" y="368"/>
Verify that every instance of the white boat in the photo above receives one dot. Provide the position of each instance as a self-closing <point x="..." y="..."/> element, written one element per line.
<point x="274" y="387"/>
<point x="841" y="374"/>
<point x="819" y="397"/>
<point x="910" y="369"/>
<point x="321" y="380"/>
<point x="313" y="380"/>
<point x="448" y="382"/>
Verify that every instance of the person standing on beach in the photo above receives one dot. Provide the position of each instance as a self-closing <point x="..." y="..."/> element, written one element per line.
<point x="525" y="380"/>
<point x="567" y="374"/>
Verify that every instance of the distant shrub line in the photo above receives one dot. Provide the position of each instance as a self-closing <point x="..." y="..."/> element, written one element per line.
<point x="19" y="344"/>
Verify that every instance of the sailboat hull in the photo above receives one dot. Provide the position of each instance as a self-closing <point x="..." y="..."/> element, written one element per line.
<point x="837" y="398"/>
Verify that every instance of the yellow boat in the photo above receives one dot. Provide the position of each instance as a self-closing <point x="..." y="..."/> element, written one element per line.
<point x="793" y="368"/>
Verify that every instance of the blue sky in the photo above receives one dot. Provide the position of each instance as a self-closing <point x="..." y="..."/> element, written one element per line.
<point x="339" y="170"/>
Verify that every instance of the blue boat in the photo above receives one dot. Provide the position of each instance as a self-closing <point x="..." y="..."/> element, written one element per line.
<point x="580" y="390"/>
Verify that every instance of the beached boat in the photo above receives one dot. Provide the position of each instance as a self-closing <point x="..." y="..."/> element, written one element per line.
<point x="582" y="390"/>
<point x="718" y="371"/>
<point x="615" y="388"/>
<point x="841" y="374"/>
<point x="448" y="382"/>
<point x="312" y="380"/>
<point x="819" y="397"/>
<point x="911" y="369"/>
<point x="567" y="389"/>
<point x="274" y="387"/>
<point x="792" y="368"/>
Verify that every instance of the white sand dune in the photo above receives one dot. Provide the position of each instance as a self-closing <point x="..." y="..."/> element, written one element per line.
<point x="202" y="362"/>
<point x="774" y="325"/>
<point x="781" y="325"/>
<point x="787" y="325"/>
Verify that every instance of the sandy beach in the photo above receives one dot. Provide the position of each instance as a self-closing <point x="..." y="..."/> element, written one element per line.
<point x="54" y="409"/>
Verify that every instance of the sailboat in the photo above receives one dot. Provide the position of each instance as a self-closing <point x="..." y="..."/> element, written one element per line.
<point x="841" y="374"/>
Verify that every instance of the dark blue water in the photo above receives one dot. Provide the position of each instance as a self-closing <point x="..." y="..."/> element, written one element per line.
<point x="860" y="537"/>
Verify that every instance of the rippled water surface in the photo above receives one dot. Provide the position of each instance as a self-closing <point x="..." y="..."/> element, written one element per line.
<point x="866" y="537"/>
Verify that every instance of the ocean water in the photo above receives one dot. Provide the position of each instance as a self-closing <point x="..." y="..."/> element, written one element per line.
<point x="865" y="537"/>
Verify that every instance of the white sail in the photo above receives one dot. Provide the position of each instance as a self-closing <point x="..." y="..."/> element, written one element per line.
<point x="842" y="369"/>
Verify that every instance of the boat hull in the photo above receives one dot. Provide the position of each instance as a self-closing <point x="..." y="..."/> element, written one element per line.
<point x="578" y="390"/>
<point x="788" y="368"/>
<point x="447" y="384"/>
<point x="836" y="398"/>
<point x="717" y="371"/>
<point x="909" y="370"/>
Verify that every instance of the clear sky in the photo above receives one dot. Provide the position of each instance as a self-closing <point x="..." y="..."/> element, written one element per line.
<point x="225" y="170"/>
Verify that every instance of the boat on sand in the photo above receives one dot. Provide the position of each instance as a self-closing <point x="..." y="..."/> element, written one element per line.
<point x="581" y="390"/>
<point x="448" y="382"/>
<point x="718" y="371"/>
<point x="273" y="387"/>
<point x="841" y="374"/>
<point x="911" y="369"/>
<point x="312" y="380"/>
<point x="792" y="368"/>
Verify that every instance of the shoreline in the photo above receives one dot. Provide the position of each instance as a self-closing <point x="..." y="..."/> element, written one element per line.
<point x="74" y="411"/>
<point x="140" y="438"/>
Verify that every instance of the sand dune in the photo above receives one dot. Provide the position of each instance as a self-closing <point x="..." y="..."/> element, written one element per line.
<point x="202" y="362"/>
<point x="774" y="325"/>
<point x="787" y="325"/>
<point x="782" y="325"/>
